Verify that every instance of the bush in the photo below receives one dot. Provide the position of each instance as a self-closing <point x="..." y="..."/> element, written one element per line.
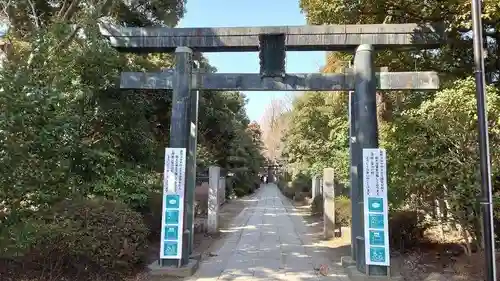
<point x="302" y="183"/>
<point x="406" y="229"/>
<point x="288" y="190"/>
<point x="343" y="214"/>
<point x="300" y="196"/>
<point x="152" y="214"/>
<point x="132" y="186"/>
<point x="244" y="183"/>
<point x="82" y="235"/>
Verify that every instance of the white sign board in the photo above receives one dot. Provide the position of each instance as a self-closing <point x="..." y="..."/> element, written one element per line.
<point x="375" y="207"/>
<point x="173" y="203"/>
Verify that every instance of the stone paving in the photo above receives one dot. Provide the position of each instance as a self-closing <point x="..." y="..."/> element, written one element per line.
<point x="268" y="241"/>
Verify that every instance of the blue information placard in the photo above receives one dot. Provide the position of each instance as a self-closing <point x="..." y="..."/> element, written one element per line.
<point x="172" y="217"/>
<point x="170" y="248"/>
<point x="173" y="203"/>
<point x="171" y="232"/>
<point x="376" y="221"/>
<point x="375" y="204"/>
<point x="377" y="254"/>
<point x="375" y="207"/>
<point x="377" y="238"/>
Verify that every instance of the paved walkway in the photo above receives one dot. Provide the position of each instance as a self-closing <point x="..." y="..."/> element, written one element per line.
<point x="268" y="241"/>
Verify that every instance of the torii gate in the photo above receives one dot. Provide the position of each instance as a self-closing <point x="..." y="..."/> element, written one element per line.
<point x="272" y="43"/>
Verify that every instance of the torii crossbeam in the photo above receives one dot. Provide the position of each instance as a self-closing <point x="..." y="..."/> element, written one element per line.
<point x="298" y="38"/>
<point x="292" y="82"/>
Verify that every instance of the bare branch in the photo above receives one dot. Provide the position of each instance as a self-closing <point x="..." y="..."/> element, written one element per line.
<point x="103" y="11"/>
<point x="63" y="44"/>
<point x="36" y="20"/>
<point x="7" y="9"/>
<point x="73" y="7"/>
<point x="63" y="8"/>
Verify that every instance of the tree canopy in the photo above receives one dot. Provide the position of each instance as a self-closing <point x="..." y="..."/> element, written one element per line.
<point x="67" y="129"/>
<point x="431" y="138"/>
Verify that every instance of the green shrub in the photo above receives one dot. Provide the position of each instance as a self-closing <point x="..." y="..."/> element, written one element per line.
<point x="87" y="235"/>
<point x="302" y="183"/>
<point x="243" y="183"/>
<point x="300" y="196"/>
<point x="152" y="214"/>
<point x="288" y="190"/>
<point x="406" y="229"/>
<point x="132" y="186"/>
<point x="343" y="211"/>
<point x="229" y="187"/>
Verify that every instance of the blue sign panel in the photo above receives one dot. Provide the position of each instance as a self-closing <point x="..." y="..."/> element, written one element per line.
<point x="171" y="232"/>
<point x="376" y="221"/>
<point x="375" y="204"/>
<point x="377" y="238"/>
<point x="173" y="203"/>
<point x="170" y="248"/>
<point x="172" y="217"/>
<point x="377" y="255"/>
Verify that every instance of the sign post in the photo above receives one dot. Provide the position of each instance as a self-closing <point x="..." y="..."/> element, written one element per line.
<point x="376" y="215"/>
<point x="173" y="203"/>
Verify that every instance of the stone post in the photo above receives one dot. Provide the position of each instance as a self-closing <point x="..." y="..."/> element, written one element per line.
<point x="222" y="190"/>
<point x="316" y="188"/>
<point x="328" y="203"/>
<point x="213" y="199"/>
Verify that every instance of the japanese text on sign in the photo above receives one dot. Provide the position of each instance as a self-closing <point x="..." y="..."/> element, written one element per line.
<point x="375" y="207"/>
<point x="173" y="203"/>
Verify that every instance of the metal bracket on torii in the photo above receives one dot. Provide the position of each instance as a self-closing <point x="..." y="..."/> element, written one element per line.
<point x="272" y="44"/>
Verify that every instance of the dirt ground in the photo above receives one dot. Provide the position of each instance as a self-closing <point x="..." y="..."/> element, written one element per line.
<point x="430" y="262"/>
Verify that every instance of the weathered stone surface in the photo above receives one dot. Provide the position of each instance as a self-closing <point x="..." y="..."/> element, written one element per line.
<point x="428" y="80"/>
<point x="213" y="199"/>
<point x="316" y="188"/>
<point x="185" y="271"/>
<point x="355" y="275"/>
<point x="298" y="38"/>
<point x="328" y="203"/>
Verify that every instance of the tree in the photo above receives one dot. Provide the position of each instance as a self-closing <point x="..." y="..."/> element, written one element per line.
<point x="439" y="149"/>
<point x="256" y="133"/>
<point x="66" y="128"/>
<point x="274" y="124"/>
<point x="317" y="137"/>
<point x="453" y="59"/>
<point x="432" y="137"/>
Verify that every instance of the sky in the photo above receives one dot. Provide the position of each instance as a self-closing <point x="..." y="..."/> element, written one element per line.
<point x="237" y="13"/>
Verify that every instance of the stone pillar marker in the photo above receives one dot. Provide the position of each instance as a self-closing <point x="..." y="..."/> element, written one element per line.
<point x="222" y="190"/>
<point x="316" y="188"/>
<point x="328" y="203"/>
<point x="213" y="199"/>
